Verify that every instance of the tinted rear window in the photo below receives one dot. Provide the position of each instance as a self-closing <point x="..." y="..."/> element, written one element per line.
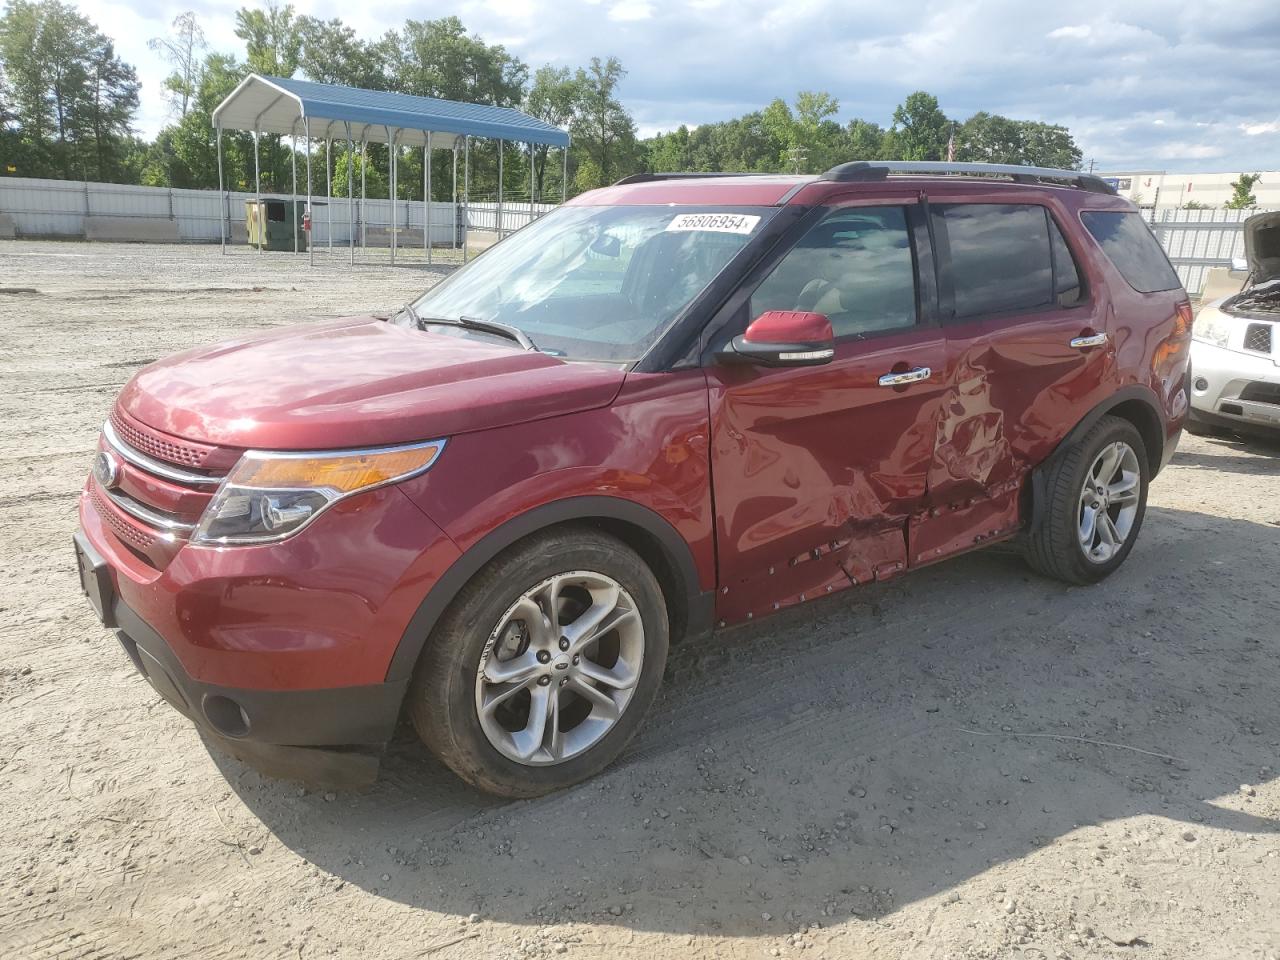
<point x="1000" y="258"/>
<point x="1133" y="249"/>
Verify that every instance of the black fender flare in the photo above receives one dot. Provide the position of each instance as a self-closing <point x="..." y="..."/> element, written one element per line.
<point x="676" y="552"/>
<point x="1133" y="392"/>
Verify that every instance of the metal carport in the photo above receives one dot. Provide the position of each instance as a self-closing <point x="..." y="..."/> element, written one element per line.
<point x="317" y="111"/>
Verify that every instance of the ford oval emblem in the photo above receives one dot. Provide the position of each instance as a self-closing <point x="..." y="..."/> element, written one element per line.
<point x="107" y="469"/>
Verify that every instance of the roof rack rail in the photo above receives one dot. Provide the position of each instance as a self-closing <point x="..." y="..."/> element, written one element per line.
<point x="868" y="170"/>
<point x="688" y="175"/>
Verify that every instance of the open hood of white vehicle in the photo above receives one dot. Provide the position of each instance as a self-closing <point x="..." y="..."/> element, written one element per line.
<point x="1262" y="246"/>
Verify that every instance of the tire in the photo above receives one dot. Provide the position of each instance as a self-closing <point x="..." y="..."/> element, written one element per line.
<point x="497" y="626"/>
<point x="1056" y="546"/>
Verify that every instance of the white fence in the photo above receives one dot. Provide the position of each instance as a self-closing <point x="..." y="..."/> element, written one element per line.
<point x="64" y="208"/>
<point x="1197" y="240"/>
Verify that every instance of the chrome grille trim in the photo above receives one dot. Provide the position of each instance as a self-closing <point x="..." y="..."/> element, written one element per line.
<point x="151" y="465"/>
<point x="152" y="518"/>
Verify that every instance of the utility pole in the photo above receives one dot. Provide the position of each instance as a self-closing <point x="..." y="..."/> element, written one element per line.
<point x="796" y="156"/>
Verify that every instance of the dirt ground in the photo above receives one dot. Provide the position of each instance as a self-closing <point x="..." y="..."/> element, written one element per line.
<point x="971" y="762"/>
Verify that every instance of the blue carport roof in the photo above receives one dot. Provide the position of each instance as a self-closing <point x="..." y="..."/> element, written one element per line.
<point x="280" y="105"/>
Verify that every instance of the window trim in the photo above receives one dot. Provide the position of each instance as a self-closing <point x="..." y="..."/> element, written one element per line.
<point x="733" y="317"/>
<point x="946" y="269"/>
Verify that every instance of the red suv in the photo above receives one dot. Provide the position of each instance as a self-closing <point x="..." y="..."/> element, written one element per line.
<point x="676" y="403"/>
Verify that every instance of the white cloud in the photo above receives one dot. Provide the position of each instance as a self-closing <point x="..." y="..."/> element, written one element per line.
<point x="1079" y="32"/>
<point x="1258" y="129"/>
<point x="629" y="11"/>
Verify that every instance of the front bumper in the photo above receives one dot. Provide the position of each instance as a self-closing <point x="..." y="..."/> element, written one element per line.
<point x="1224" y="374"/>
<point x="332" y="736"/>
<point x="279" y="653"/>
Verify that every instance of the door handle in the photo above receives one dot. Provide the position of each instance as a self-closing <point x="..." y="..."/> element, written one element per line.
<point x="1094" y="340"/>
<point x="907" y="376"/>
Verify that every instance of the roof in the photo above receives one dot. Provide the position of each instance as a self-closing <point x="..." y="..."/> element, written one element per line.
<point x="281" y="105"/>
<point x="762" y="190"/>
<point x="875" y="177"/>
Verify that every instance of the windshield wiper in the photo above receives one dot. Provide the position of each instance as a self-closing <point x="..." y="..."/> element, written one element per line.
<point x="475" y="323"/>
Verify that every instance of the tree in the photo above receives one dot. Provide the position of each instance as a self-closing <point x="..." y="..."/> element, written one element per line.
<point x="272" y="40"/>
<point x="603" y="131"/>
<point x="183" y="48"/>
<point x="1242" y="197"/>
<point x="553" y="98"/>
<point x="920" y="128"/>
<point x="72" y="99"/>
<point x="332" y="53"/>
<point x="437" y="58"/>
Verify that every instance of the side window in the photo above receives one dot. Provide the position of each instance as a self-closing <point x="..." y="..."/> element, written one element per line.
<point x="1066" y="276"/>
<point x="1131" y="246"/>
<point x="1000" y="257"/>
<point x="856" y="266"/>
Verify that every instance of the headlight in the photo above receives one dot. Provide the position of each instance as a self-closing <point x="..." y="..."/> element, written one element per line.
<point x="269" y="496"/>
<point x="1211" y="327"/>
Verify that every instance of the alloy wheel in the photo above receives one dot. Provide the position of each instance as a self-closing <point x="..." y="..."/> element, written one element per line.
<point x="1109" y="501"/>
<point x="559" y="668"/>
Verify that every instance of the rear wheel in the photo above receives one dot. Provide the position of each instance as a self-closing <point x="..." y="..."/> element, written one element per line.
<point x="544" y="666"/>
<point x="1095" y="501"/>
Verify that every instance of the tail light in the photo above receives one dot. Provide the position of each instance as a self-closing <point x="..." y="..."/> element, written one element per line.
<point x="1176" y="344"/>
<point x="1182" y="324"/>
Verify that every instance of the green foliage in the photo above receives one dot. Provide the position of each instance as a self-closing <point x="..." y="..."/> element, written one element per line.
<point x="603" y="131"/>
<point x="1196" y="205"/>
<point x="990" y="138"/>
<point x="69" y="98"/>
<point x="1242" y="197"/>
<point x="271" y="37"/>
<point x="920" y="128"/>
<point x="437" y="58"/>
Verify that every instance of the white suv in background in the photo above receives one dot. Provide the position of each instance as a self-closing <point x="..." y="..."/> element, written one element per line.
<point x="1235" y="351"/>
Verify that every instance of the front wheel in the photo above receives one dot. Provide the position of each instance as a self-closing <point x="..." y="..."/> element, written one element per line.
<point x="544" y="666"/>
<point x="1095" y="501"/>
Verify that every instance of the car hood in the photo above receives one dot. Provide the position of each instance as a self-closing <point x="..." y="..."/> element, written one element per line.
<point x="357" y="382"/>
<point x="1262" y="246"/>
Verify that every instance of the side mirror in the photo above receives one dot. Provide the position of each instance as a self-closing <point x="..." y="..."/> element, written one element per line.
<point x="784" y="338"/>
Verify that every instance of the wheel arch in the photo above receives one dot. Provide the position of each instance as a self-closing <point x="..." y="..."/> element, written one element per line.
<point x="657" y="542"/>
<point x="1134" y="403"/>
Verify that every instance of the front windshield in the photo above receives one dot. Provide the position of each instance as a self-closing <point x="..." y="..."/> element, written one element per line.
<point x="596" y="283"/>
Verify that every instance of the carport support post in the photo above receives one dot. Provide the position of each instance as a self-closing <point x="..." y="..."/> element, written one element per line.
<point x="328" y="192"/>
<point x="311" y="247"/>
<point x="532" y="198"/>
<point x="498" y="223"/>
<point x="364" y="213"/>
<point x="391" y="190"/>
<point x="426" y="197"/>
<point x="564" y="178"/>
<point x="257" y="195"/>
<point x="293" y="210"/>
<point x="466" y="196"/>
<point x="453" y="233"/>
<point x="351" y="199"/>
<point x="224" y="205"/>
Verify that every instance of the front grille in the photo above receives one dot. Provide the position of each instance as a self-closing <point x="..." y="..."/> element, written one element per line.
<point x="1261" y="392"/>
<point x="1257" y="336"/>
<point x="123" y="529"/>
<point x="171" y="450"/>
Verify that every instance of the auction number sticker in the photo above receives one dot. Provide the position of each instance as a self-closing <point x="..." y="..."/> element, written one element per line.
<point x="716" y="222"/>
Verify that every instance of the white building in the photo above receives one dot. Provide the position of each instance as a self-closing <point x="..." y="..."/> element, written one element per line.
<point x="1154" y="188"/>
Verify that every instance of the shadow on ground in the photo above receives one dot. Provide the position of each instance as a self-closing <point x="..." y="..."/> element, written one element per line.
<point x="862" y="753"/>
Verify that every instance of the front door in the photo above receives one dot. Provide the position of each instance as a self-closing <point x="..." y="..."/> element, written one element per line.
<point x="816" y="470"/>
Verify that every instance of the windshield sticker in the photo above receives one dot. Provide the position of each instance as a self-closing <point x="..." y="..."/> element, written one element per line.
<point x="717" y="222"/>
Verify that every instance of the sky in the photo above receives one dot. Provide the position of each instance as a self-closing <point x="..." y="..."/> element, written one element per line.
<point x="1179" y="85"/>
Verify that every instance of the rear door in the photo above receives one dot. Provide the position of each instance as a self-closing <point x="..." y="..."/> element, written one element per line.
<point x="1027" y="351"/>
<point x="816" y="469"/>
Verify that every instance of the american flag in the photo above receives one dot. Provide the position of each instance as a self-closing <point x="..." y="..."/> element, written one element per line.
<point x="951" y="147"/>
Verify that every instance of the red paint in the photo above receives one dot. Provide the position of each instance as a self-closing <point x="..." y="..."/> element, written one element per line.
<point x="785" y="483"/>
